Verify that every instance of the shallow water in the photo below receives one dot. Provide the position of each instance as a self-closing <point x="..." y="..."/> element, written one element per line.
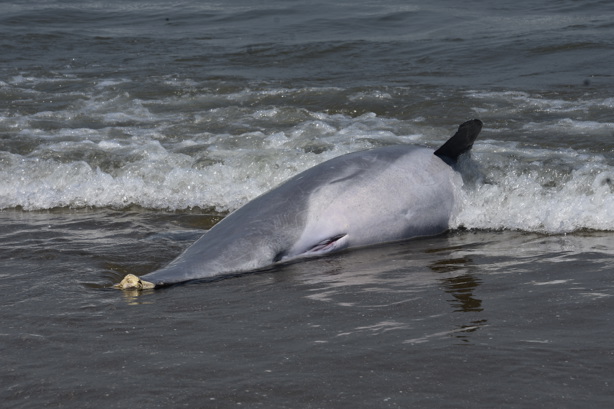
<point x="127" y="129"/>
<point x="487" y="319"/>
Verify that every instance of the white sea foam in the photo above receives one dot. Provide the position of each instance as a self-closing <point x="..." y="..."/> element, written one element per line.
<point x="218" y="171"/>
<point x="559" y="193"/>
<point x="218" y="150"/>
<point x="502" y="193"/>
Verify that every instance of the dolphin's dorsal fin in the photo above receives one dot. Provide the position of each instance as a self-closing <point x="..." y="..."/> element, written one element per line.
<point x="461" y="142"/>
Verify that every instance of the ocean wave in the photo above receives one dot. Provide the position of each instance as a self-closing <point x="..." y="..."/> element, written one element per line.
<point x="536" y="191"/>
<point x="541" y="163"/>
<point x="506" y="187"/>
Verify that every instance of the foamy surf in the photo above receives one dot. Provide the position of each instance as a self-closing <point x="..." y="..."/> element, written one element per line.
<point x="538" y="165"/>
<point x="558" y="192"/>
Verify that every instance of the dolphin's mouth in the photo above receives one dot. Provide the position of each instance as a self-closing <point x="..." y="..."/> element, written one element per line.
<point x="334" y="243"/>
<point x="327" y="245"/>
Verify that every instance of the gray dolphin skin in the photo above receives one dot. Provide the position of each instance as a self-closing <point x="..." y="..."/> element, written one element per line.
<point x="358" y="199"/>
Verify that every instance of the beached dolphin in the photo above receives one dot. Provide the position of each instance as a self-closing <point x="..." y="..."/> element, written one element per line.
<point x="374" y="196"/>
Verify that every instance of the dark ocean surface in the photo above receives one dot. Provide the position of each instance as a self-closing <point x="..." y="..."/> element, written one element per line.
<point x="129" y="128"/>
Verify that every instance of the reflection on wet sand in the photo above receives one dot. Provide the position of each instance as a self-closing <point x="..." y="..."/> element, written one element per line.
<point x="137" y="297"/>
<point x="460" y="286"/>
<point x="399" y="279"/>
<point x="459" y="282"/>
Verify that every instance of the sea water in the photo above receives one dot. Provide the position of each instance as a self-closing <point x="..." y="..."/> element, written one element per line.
<point x="127" y="129"/>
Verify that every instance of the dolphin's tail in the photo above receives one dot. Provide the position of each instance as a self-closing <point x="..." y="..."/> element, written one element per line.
<point x="461" y="142"/>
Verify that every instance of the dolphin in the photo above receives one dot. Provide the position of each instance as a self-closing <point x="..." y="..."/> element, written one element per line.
<point x="374" y="196"/>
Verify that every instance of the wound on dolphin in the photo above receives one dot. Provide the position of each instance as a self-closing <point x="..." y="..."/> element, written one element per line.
<point x="363" y="198"/>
